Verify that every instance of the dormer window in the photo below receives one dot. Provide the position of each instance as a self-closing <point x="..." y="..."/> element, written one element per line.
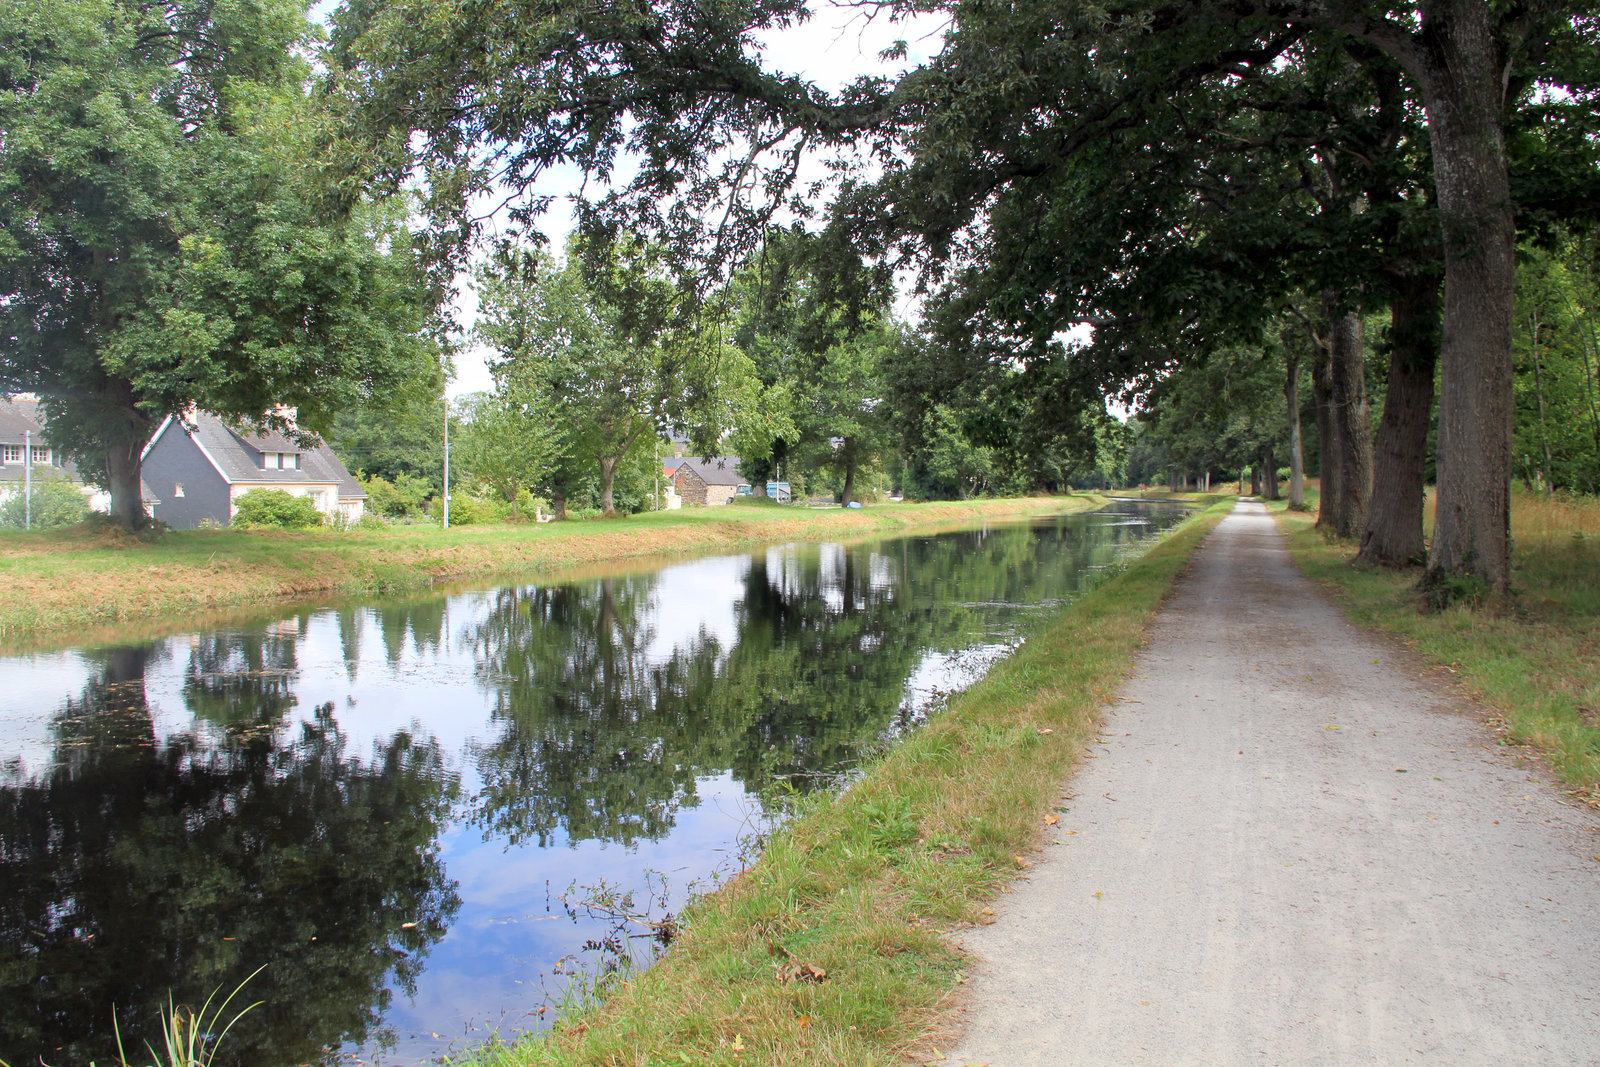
<point x="287" y="461"/>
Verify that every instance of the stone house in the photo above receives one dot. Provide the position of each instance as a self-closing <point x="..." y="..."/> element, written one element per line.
<point x="709" y="482"/>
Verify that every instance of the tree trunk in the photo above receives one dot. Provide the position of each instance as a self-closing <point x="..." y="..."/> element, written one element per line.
<point x="1350" y="407"/>
<point x="608" y="481"/>
<point x="1255" y="480"/>
<point x="558" y="504"/>
<point x="1269" y="472"/>
<point x="1297" y="460"/>
<point x="1538" y="389"/>
<point x="1460" y="72"/>
<point x="1393" y="536"/>
<point x="1330" y="447"/>
<point x="122" y="469"/>
<point x="849" y="478"/>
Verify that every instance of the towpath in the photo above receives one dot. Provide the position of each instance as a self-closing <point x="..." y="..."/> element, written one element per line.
<point x="1292" y="846"/>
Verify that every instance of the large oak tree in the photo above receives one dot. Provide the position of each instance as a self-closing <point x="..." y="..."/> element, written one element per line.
<point x="170" y="235"/>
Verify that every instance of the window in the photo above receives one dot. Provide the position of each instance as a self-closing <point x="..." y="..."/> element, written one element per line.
<point x="177" y="490"/>
<point x="11" y="454"/>
<point x="41" y="457"/>
<point x="291" y="461"/>
<point x="269" y="460"/>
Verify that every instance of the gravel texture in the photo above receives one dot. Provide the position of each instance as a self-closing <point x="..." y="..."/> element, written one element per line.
<point x="1294" y="844"/>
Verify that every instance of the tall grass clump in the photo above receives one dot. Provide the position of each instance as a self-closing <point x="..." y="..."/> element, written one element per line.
<point x="189" y="1038"/>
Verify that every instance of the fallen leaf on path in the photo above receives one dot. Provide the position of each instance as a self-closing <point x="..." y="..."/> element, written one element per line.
<point x="1051" y="820"/>
<point x="1330" y="726"/>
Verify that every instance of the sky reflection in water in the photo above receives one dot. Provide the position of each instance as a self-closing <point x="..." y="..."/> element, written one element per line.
<point x="384" y="804"/>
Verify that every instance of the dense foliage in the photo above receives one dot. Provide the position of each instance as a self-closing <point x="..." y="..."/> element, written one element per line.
<point x="174" y="231"/>
<point x="54" y="503"/>
<point x="275" y="509"/>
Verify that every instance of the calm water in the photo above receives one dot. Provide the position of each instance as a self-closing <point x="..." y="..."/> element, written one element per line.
<point x="419" y="818"/>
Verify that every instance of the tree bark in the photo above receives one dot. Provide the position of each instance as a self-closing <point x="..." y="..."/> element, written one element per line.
<point x="122" y="470"/>
<point x="1297" y="461"/>
<point x="1329" y="443"/>
<point x="1460" y="71"/>
<point x="1269" y="472"/>
<point x="558" y="504"/>
<point x="1351" y="409"/>
<point x="608" y="481"/>
<point x="1393" y="536"/>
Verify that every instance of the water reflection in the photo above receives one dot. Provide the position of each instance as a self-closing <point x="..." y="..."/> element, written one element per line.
<point x="141" y="863"/>
<point x="382" y="805"/>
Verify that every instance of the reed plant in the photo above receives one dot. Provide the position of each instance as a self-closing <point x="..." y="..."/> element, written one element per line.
<point x="189" y="1038"/>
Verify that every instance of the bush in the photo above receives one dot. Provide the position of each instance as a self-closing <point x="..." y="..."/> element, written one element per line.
<point x="469" y="510"/>
<point x="274" y="509"/>
<point x="57" y="502"/>
<point x="404" y="498"/>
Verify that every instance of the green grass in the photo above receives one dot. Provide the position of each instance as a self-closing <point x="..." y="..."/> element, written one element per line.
<point x="91" y="584"/>
<point x="1534" y="660"/>
<point x="865" y="885"/>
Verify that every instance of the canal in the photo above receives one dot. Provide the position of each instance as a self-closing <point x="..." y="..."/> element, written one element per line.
<point x="416" y="822"/>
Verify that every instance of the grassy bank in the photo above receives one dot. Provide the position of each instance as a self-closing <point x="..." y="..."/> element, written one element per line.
<point x="1534" y="660"/>
<point x="74" y="584"/>
<point x="831" y="949"/>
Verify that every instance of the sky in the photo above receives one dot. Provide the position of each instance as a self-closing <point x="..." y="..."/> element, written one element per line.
<point x="836" y="46"/>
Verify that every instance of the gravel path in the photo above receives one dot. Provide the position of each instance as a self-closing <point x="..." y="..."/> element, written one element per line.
<point x="1293" y="847"/>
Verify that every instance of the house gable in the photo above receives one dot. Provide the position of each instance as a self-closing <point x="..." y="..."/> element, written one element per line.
<point x="239" y="462"/>
<point x="708" y="482"/>
<point x="189" y="489"/>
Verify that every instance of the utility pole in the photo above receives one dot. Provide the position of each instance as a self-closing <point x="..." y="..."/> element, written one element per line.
<point x="27" y="479"/>
<point x="447" y="462"/>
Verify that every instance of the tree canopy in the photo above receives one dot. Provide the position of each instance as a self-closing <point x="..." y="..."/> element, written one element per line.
<point x="173" y="231"/>
<point x="1046" y="135"/>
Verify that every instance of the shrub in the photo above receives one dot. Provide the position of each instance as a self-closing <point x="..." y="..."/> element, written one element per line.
<point x="405" y="497"/>
<point x="57" y="502"/>
<point x="469" y="510"/>
<point x="274" y="509"/>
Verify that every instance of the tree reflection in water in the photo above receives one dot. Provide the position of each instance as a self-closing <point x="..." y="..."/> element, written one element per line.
<point x="584" y="716"/>
<point x="138" y="866"/>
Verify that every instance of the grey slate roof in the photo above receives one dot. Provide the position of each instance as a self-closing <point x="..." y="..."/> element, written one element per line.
<point x="237" y="456"/>
<point x="16" y="418"/>
<point x="719" y="470"/>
